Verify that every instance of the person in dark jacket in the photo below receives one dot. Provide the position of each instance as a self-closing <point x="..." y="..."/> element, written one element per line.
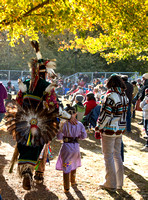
<point x="129" y="94"/>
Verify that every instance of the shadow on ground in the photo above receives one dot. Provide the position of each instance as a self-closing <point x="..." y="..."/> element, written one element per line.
<point x="40" y="191"/>
<point x="141" y="182"/>
<point x="6" y="137"/>
<point x="78" y="193"/>
<point x="7" y="192"/>
<point x="120" y="195"/>
<point x="135" y="135"/>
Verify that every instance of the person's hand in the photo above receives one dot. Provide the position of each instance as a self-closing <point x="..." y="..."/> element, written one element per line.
<point x="73" y="119"/>
<point x="97" y="133"/>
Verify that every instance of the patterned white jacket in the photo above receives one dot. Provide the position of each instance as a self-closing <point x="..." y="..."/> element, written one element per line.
<point x="112" y="119"/>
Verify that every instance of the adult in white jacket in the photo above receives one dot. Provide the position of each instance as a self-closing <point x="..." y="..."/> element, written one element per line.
<point x="111" y="125"/>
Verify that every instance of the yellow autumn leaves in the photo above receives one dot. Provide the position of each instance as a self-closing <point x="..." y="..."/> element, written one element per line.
<point x="124" y="23"/>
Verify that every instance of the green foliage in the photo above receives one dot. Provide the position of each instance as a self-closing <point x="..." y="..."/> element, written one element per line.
<point x="68" y="61"/>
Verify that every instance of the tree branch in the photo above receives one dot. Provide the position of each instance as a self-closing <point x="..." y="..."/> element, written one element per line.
<point x="4" y="22"/>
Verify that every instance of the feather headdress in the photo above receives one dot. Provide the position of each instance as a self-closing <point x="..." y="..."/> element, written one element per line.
<point x="35" y="66"/>
<point x="35" y="45"/>
<point x="30" y="124"/>
<point x="49" y="64"/>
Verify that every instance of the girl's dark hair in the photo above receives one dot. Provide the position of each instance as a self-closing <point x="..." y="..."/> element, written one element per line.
<point x="71" y="110"/>
<point x="115" y="81"/>
<point x="90" y="96"/>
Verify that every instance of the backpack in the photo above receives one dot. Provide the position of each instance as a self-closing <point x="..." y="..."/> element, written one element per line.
<point x="92" y="117"/>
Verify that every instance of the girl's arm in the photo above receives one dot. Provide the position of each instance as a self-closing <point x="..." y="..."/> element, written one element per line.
<point x="83" y="132"/>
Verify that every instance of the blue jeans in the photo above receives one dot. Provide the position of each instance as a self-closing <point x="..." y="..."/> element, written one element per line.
<point x="1" y="116"/>
<point x="128" y="119"/>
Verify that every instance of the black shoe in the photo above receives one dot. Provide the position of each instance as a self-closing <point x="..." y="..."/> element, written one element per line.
<point x="27" y="182"/>
<point x="140" y="123"/>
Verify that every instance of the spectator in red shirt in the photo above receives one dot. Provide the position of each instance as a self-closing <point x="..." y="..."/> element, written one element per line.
<point x="90" y="102"/>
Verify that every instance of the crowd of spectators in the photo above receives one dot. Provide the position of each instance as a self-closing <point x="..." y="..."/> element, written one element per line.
<point x="95" y="90"/>
<point x="135" y="92"/>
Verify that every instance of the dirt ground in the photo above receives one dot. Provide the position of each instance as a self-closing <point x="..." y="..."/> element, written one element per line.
<point x="89" y="176"/>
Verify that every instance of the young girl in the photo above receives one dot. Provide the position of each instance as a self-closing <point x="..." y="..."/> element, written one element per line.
<point x="69" y="158"/>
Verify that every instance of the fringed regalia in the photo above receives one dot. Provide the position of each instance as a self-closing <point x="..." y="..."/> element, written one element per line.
<point x="31" y="124"/>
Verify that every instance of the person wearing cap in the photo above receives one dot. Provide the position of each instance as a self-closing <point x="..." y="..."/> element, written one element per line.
<point x="144" y="106"/>
<point x="129" y="93"/>
<point x="69" y="158"/>
<point x="80" y="109"/>
<point x="76" y="92"/>
<point x="111" y="125"/>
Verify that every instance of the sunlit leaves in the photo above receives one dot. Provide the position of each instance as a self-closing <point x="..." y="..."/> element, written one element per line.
<point x="124" y="23"/>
